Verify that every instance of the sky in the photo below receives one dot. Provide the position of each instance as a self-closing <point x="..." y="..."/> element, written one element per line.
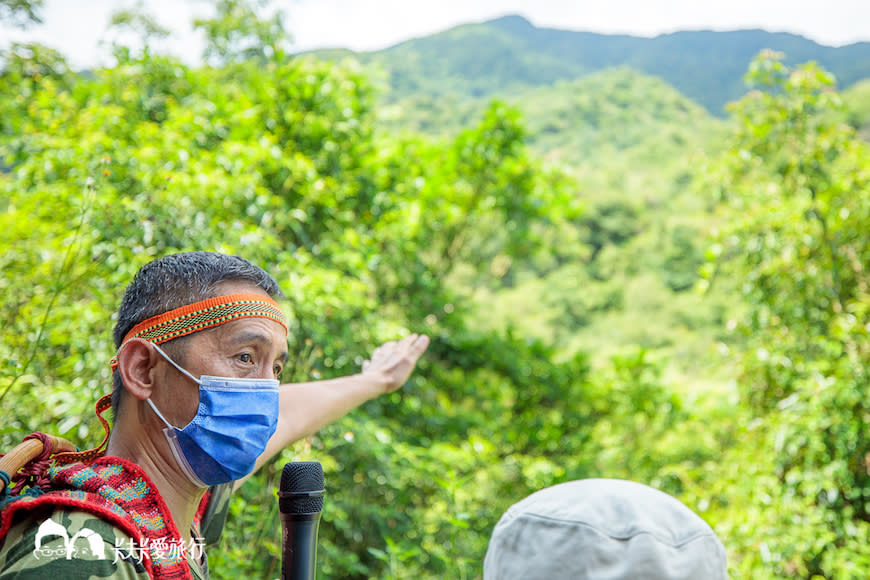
<point x="78" y="28"/>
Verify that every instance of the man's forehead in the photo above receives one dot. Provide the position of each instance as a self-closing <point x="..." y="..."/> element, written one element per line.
<point x="228" y="287"/>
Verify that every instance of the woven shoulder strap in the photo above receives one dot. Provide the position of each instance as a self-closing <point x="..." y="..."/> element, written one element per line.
<point x="119" y="492"/>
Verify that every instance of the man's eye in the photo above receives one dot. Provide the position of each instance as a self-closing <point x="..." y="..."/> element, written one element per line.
<point x="277" y="369"/>
<point x="246" y="358"/>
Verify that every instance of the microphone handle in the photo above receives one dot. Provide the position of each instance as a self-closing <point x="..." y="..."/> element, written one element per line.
<point x="299" y="539"/>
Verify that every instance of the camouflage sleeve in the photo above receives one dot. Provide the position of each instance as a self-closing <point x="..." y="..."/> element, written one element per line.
<point x="70" y="545"/>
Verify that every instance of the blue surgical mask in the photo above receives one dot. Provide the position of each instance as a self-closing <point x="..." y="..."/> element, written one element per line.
<point x="234" y="421"/>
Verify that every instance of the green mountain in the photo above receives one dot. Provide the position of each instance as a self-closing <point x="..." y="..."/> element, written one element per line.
<point x="507" y="54"/>
<point x="630" y="119"/>
<point x="630" y="140"/>
<point x="617" y="130"/>
<point x="574" y="122"/>
<point x="588" y="119"/>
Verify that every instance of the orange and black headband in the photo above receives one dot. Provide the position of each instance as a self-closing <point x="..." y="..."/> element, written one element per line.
<point x="204" y="314"/>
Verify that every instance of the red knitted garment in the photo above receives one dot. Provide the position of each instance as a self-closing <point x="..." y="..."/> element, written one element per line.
<point x="119" y="492"/>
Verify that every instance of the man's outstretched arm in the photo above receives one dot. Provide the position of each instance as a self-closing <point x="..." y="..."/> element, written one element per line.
<point x="306" y="407"/>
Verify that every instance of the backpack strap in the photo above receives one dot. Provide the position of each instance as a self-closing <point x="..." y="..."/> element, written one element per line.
<point x="119" y="492"/>
<point x="76" y="500"/>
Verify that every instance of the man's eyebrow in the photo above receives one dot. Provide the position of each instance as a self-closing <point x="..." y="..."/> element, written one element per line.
<point x="257" y="337"/>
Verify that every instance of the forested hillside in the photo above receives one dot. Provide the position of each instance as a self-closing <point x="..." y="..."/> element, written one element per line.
<point x="617" y="282"/>
<point x="629" y="141"/>
<point x="508" y="54"/>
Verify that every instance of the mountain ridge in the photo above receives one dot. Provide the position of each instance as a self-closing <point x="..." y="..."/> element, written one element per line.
<point x="501" y="55"/>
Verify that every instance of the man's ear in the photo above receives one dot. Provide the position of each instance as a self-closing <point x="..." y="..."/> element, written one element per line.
<point x="136" y="362"/>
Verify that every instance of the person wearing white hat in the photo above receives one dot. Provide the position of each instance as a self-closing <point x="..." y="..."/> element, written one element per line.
<point x="603" y="529"/>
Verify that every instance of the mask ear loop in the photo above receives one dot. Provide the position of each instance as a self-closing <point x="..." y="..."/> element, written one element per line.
<point x="173" y="363"/>
<point x="102" y="405"/>
<point x="171" y="432"/>
<point x="159" y="414"/>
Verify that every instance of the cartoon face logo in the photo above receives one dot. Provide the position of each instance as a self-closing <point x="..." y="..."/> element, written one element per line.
<point x="71" y="546"/>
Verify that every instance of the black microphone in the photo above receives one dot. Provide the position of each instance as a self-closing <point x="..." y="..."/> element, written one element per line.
<point x="300" y="500"/>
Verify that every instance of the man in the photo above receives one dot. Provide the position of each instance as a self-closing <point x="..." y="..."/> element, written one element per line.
<point x="200" y="344"/>
<point x="603" y="529"/>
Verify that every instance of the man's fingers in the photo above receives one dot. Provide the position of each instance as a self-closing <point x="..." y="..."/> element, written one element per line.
<point x="392" y="352"/>
<point x="419" y="345"/>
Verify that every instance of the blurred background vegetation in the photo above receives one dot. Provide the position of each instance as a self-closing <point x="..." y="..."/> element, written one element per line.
<point x="621" y="277"/>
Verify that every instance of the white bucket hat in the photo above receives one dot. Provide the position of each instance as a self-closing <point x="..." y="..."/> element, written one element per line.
<point x="603" y="529"/>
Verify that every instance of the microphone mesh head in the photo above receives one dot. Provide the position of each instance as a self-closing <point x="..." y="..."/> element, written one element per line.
<point x="301" y="477"/>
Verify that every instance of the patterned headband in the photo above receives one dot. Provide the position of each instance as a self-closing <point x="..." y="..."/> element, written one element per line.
<point x="201" y="315"/>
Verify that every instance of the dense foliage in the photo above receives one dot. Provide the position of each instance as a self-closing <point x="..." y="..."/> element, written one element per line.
<point x="797" y="185"/>
<point x="856" y="101"/>
<point x="570" y="338"/>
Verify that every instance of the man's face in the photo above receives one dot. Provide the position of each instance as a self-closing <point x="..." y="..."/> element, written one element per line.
<point x="244" y="348"/>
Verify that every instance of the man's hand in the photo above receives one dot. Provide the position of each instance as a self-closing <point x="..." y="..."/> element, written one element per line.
<point x="303" y="408"/>
<point x="392" y="363"/>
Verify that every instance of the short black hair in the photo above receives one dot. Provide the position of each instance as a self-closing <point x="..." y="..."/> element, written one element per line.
<point x="178" y="280"/>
